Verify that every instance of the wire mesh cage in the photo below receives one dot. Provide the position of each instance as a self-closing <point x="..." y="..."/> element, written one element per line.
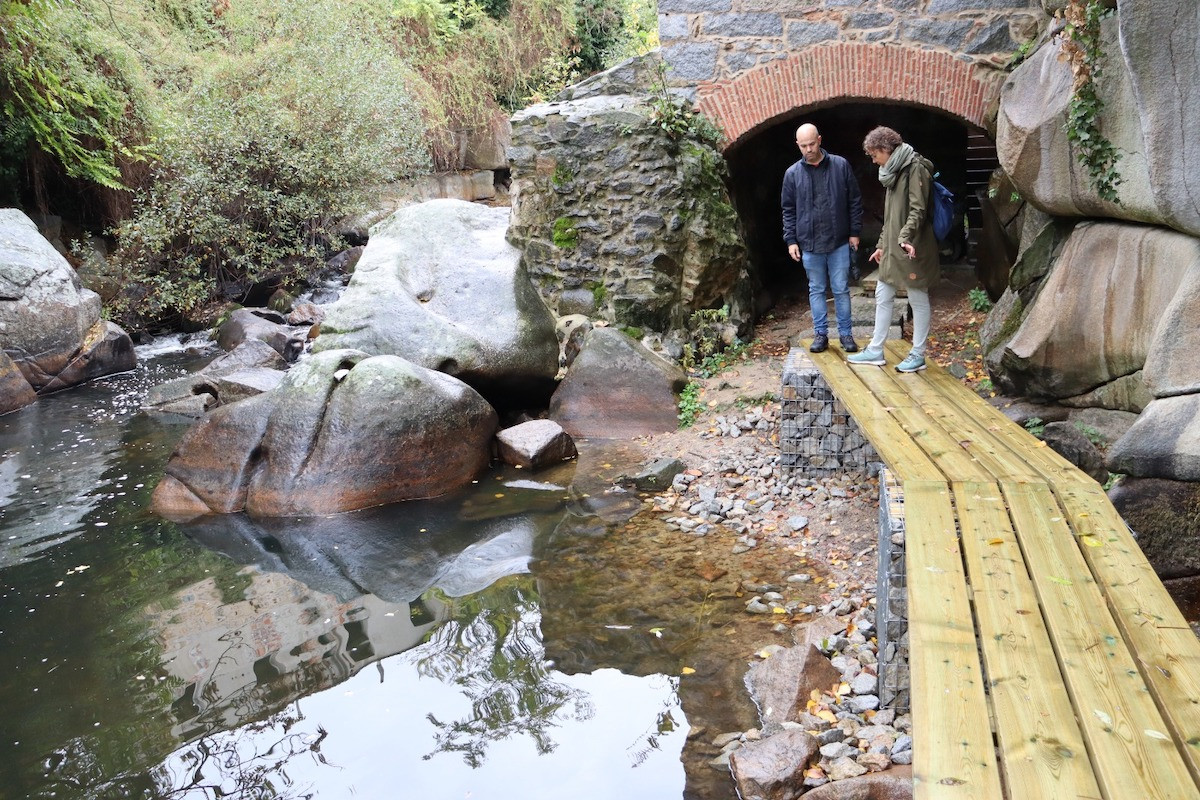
<point x="817" y="435"/>
<point x="891" y="607"/>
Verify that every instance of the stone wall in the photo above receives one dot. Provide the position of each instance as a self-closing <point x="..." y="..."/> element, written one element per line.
<point x="618" y="220"/>
<point x="716" y="40"/>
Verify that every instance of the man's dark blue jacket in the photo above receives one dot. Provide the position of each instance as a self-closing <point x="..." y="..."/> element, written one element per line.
<point x="800" y="225"/>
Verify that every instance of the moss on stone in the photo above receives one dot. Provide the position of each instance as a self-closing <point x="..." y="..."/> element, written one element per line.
<point x="565" y="236"/>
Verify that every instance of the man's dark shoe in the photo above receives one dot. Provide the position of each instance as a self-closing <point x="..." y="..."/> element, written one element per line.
<point x="820" y="344"/>
<point x="848" y="344"/>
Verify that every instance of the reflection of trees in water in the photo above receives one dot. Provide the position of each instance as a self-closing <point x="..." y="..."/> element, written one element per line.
<point x="492" y="651"/>
<point x="228" y="764"/>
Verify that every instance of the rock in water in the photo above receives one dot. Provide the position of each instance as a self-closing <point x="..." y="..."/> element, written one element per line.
<point x="343" y="431"/>
<point x="439" y="285"/>
<point x="617" y="389"/>
<point x="50" y="326"/>
<point x="534" y="444"/>
<point x="15" y="391"/>
<point x="773" y="767"/>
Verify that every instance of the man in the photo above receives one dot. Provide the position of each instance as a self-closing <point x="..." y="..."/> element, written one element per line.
<point x="822" y="220"/>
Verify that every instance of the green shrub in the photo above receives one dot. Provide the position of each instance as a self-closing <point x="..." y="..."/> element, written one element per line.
<point x="690" y="405"/>
<point x="979" y="299"/>
<point x="68" y="91"/>
<point x="1036" y="426"/>
<point x="274" y="147"/>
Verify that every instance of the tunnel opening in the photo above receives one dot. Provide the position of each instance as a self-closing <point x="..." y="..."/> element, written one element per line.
<point x="963" y="155"/>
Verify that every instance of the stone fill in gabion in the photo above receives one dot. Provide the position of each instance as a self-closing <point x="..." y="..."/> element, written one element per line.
<point x="817" y="435"/>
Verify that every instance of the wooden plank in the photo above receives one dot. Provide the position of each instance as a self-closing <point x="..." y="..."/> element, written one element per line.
<point x="954" y="755"/>
<point x="884" y="433"/>
<point x="1131" y="752"/>
<point x="1041" y="747"/>
<point x="936" y="399"/>
<point x="945" y="451"/>
<point x="1050" y="465"/>
<point x="1168" y="652"/>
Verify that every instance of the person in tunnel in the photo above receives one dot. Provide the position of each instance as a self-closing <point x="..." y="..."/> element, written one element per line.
<point x="822" y="220"/>
<point x="907" y="252"/>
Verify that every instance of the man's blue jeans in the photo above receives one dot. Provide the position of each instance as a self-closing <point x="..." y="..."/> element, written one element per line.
<point x="829" y="271"/>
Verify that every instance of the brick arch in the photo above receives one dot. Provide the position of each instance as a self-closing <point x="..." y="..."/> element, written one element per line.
<point x="850" y="71"/>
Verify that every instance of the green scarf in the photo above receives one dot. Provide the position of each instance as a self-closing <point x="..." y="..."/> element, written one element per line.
<point x="897" y="161"/>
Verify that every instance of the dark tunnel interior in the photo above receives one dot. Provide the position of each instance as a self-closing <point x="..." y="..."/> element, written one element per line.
<point x="963" y="157"/>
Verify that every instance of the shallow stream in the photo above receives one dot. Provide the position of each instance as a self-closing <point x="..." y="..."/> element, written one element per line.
<point x="500" y="642"/>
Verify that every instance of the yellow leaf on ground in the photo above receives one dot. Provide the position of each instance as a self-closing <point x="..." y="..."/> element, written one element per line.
<point x="687" y="671"/>
<point x="996" y="541"/>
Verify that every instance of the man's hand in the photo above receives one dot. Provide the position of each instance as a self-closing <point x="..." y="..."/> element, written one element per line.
<point x="878" y="254"/>
<point x="853" y="242"/>
<point x="794" y="251"/>
<point x="909" y="248"/>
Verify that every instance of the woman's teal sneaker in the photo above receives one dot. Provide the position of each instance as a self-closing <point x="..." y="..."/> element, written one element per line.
<point x="911" y="363"/>
<point x="867" y="356"/>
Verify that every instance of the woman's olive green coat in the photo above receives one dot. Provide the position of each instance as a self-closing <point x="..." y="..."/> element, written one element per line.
<point x="907" y="217"/>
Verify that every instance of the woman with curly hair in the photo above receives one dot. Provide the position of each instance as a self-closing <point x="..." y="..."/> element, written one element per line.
<point x="907" y="252"/>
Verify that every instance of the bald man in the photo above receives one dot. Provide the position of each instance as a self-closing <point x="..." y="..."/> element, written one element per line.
<point x="822" y="220"/>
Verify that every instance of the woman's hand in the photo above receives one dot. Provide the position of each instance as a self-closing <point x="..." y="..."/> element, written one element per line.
<point x="909" y="248"/>
<point x="878" y="254"/>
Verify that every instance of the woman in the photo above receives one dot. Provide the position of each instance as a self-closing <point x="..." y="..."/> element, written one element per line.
<point x="907" y="252"/>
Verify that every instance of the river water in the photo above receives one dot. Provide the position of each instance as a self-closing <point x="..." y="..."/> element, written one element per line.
<point x="480" y="645"/>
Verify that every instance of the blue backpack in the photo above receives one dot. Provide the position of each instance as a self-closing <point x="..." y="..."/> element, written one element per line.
<point x="943" y="211"/>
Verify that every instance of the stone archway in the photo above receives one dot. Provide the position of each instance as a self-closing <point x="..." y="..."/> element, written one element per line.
<point x="847" y="71"/>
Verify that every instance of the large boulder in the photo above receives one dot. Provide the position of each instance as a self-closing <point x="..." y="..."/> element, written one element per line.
<point x="1117" y="296"/>
<point x="439" y="286"/>
<point x="343" y="431"/>
<point x="1164" y="442"/>
<point x="1160" y="47"/>
<point x="617" y="389"/>
<point x="1149" y="72"/>
<point x="1032" y="143"/>
<point x="50" y="326"/>
<point x="605" y="202"/>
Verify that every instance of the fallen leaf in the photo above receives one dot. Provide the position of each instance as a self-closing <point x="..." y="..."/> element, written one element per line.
<point x="687" y="671"/>
<point x="1153" y="734"/>
<point x="996" y="541"/>
<point x="1092" y="541"/>
<point x="1100" y="715"/>
<point x="1063" y="581"/>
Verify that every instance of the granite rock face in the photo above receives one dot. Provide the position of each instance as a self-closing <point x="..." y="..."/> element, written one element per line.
<point x="606" y="202"/>
<point x="50" y="326"/>
<point x="439" y="286"/>
<point x="1117" y="299"/>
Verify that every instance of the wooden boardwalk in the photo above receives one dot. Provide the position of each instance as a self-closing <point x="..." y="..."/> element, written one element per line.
<point x="1046" y="658"/>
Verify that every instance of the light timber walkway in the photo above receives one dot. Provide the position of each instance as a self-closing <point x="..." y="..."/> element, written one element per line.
<point x="1046" y="658"/>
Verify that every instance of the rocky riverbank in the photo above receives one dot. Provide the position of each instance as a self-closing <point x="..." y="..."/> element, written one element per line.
<point x="773" y="564"/>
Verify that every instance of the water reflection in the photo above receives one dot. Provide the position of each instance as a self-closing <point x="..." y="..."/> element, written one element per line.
<point x="349" y="655"/>
<point x="481" y="692"/>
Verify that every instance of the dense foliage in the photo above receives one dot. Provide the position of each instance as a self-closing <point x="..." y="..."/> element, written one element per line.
<point x="219" y="140"/>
